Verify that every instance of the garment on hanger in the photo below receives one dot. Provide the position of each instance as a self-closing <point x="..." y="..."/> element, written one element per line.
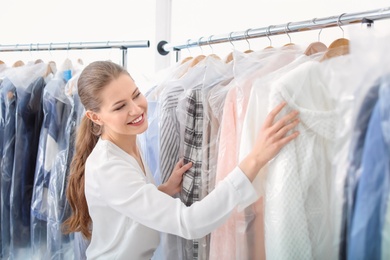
<point x="8" y="100"/>
<point x="373" y="188"/>
<point x="229" y="240"/>
<point x="171" y="146"/>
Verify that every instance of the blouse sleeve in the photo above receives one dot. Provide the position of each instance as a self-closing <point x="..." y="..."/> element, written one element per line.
<point x="125" y="190"/>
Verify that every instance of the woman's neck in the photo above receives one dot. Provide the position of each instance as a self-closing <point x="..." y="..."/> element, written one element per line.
<point x="125" y="142"/>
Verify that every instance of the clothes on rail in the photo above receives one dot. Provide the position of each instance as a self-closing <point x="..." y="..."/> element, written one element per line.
<point x="210" y="113"/>
<point x="39" y="115"/>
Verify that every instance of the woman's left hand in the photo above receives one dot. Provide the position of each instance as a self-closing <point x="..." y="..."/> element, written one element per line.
<point x="173" y="185"/>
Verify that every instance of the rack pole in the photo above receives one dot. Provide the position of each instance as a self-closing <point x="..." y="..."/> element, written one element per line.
<point x="291" y="27"/>
<point x="122" y="45"/>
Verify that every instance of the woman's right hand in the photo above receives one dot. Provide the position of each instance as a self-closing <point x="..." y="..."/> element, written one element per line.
<point x="271" y="139"/>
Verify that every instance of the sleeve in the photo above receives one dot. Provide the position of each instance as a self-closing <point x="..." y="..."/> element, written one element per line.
<point x="144" y="203"/>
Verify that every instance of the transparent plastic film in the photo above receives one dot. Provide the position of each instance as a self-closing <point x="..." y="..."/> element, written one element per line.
<point x="299" y="187"/>
<point x="8" y="102"/>
<point x="244" y="230"/>
<point x="366" y="189"/>
<point x="56" y="109"/>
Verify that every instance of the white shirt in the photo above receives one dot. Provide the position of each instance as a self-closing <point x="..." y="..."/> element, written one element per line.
<point x="128" y="210"/>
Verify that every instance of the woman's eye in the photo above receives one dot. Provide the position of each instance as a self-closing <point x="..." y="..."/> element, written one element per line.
<point x="139" y="93"/>
<point x="119" y="108"/>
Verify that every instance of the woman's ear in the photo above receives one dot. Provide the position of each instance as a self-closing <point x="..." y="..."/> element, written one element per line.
<point x="94" y="117"/>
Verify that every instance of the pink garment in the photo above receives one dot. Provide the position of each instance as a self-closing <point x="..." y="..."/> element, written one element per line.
<point x="242" y="235"/>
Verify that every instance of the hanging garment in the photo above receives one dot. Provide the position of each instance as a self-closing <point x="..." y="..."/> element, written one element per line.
<point x="150" y="139"/>
<point x="56" y="113"/>
<point x="354" y="166"/>
<point x="171" y="145"/>
<point x="374" y="184"/>
<point x="29" y="116"/>
<point x="255" y="116"/>
<point x="2" y="117"/>
<point x="59" y="245"/>
<point x="224" y="241"/>
<point x="298" y="220"/>
<point x="8" y="100"/>
<point x="214" y="90"/>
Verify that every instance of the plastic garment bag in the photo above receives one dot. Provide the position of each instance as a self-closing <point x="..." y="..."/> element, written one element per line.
<point x="374" y="183"/>
<point x="257" y="111"/>
<point x="368" y="200"/>
<point x="191" y="116"/>
<point x="229" y="241"/>
<point x="8" y="102"/>
<point x="171" y="144"/>
<point x="298" y="208"/>
<point x="59" y="245"/>
<point x="56" y="111"/>
<point x="21" y="127"/>
<point x="357" y="96"/>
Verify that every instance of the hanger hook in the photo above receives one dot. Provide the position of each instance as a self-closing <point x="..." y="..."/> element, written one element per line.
<point x="188" y="46"/>
<point x="268" y="32"/>
<point x="199" y="44"/>
<point x="319" y="34"/>
<point x="339" y="23"/>
<point x="286" y="30"/>
<point x="208" y="41"/>
<point x="230" y="40"/>
<point x="30" y="48"/>
<point x="246" y="38"/>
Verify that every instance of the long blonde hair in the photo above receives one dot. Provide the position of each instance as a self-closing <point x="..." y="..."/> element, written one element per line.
<point x="93" y="79"/>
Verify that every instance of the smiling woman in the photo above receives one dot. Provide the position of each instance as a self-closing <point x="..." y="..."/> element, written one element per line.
<point x="114" y="200"/>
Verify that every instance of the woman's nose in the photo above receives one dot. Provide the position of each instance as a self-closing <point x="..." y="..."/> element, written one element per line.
<point x="135" y="110"/>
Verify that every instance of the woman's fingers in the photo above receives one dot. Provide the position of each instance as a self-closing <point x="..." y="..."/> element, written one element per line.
<point x="180" y="168"/>
<point x="271" y="116"/>
<point x="285" y="120"/>
<point x="285" y="129"/>
<point x="285" y="140"/>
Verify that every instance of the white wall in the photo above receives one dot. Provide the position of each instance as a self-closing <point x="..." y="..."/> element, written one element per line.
<point x="45" y="21"/>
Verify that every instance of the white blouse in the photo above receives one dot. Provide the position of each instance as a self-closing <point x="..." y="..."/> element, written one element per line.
<point x="128" y="210"/>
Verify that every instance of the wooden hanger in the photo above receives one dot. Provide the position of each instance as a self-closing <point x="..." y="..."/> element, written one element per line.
<point x="229" y="58"/>
<point x="196" y="60"/>
<point x="338" y="47"/>
<point x="51" y="68"/>
<point x="315" y="47"/>
<point x="186" y="59"/>
<point x="214" y="56"/>
<point x="18" y="63"/>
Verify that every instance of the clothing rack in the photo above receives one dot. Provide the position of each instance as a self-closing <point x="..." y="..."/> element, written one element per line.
<point x="122" y="45"/>
<point x="164" y="47"/>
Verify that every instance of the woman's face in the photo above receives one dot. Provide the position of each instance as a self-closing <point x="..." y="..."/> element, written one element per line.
<point x="124" y="109"/>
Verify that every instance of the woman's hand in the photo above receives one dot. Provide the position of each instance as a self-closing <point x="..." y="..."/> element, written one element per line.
<point x="173" y="185"/>
<point x="271" y="139"/>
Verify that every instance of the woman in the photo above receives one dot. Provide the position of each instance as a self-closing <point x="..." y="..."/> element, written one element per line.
<point x="111" y="191"/>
